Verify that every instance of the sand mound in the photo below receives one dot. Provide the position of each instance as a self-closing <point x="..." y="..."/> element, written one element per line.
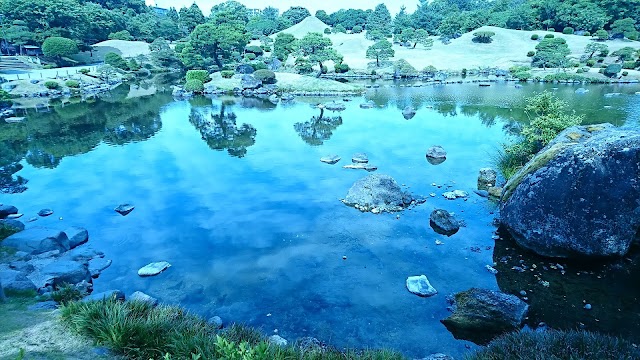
<point x="309" y="24"/>
<point x="124" y="48"/>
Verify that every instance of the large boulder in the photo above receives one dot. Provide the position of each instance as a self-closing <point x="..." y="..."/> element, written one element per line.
<point x="377" y="193"/>
<point x="442" y="222"/>
<point x="479" y="315"/>
<point x="6" y="210"/>
<point x="38" y="240"/>
<point x="15" y="280"/>
<point x="250" y="82"/>
<point x="579" y="196"/>
<point x="77" y="236"/>
<point x="61" y="272"/>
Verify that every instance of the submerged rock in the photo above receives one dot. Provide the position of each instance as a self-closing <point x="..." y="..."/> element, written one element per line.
<point x="216" y="321"/>
<point x="436" y="155"/>
<point x="77" y="236"/>
<point x="124" y="209"/>
<point x="331" y="159"/>
<point x="579" y="196"/>
<point x="409" y="112"/>
<point x="360" y="158"/>
<point x="377" y="191"/>
<point x="154" y="268"/>
<point x="45" y="212"/>
<point x="334" y="106"/>
<point x="368" y="105"/>
<point x="420" y="286"/>
<point x="487" y="178"/>
<point x="479" y="315"/>
<point x="443" y="222"/>
<point x="367" y="167"/>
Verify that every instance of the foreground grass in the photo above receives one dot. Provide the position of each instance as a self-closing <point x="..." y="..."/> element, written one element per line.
<point x="557" y="345"/>
<point x="141" y="331"/>
<point x="291" y="83"/>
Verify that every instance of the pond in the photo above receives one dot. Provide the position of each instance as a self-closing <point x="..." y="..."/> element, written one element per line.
<point x="232" y="193"/>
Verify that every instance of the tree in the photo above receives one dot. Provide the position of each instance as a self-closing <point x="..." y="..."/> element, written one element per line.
<point x="231" y="10"/>
<point x="594" y="47"/>
<point x="323" y="16"/>
<point x="57" y="47"/>
<point x="121" y="35"/>
<point x="296" y="14"/>
<point x="551" y="52"/>
<point x="626" y="53"/>
<point x="191" y="17"/>
<point x="163" y="55"/>
<point x="379" y="20"/>
<point x="581" y="15"/>
<point x="18" y="33"/>
<point x="601" y="35"/>
<point x="625" y="27"/>
<point x="402" y="21"/>
<point x="484" y="37"/>
<point x="381" y="50"/>
<point x="116" y="61"/>
<point x="284" y="45"/>
<point x="421" y="36"/>
<point x="218" y="41"/>
<point x="317" y="49"/>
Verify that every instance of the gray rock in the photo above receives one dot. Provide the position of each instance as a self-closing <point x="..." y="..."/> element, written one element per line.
<point x="15" y="280"/>
<point x="124" y="209"/>
<point x="77" y="236"/>
<point x="482" y="193"/>
<point x="45" y="305"/>
<point x="368" y="105"/>
<point x="487" y="178"/>
<point x="2" y="296"/>
<point x="6" y="210"/>
<point x="216" y="322"/>
<point x="12" y="225"/>
<point x="579" y="196"/>
<point x="82" y="254"/>
<point x="479" y="315"/>
<point x="420" y="286"/>
<point x="452" y="195"/>
<point x="436" y="155"/>
<point x="153" y="268"/>
<point x="274" y="64"/>
<point x="287" y="97"/>
<point x="250" y="82"/>
<point x="45" y="212"/>
<point x="278" y="340"/>
<point x="361" y="166"/>
<point x="437" y="356"/>
<point x="335" y="106"/>
<point x="245" y="69"/>
<point x="14" y="216"/>
<point x="142" y="297"/>
<point x="360" y="158"/>
<point x="106" y="295"/>
<point x="330" y="159"/>
<point x="61" y="272"/>
<point x="377" y="191"/>
<point x="443" y="222"/>
<point x="408" y="112"/>
<point x="97" y="265"/>
<point x="581" y="91"/>
<point x="38" y="240"/>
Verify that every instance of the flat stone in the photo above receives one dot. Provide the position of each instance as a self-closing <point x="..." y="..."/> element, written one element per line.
<point x="15" y="280"/>
<point x="361" y="166"/>
<point x="331" y="159"/>
<point x="142" y="297"/>
<point x="45" y="305"/>
<point x="38" y="240"/>
<point x="443" y="222"/>
<point x="6" y="210"/>
<point x="77" y="236"/>
<point x="45" y="212"/>
<point x="360" y="158"/>
<point x="14" y="216"/>
<point x="495" y="191"/>
<point x="153" y="268"/>
<point x="420" y="286"/>
<point x="98" y="265"/>
<point x="124" y="209"/>
<point x="61" y="272"/>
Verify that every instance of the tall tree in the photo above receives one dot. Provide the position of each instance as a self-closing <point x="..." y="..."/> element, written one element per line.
<point x="284" y="45"/>
<point x="380" y="51"/>
<point x="402" y="21"/>
<point x="218" y="40"/>
<point x="317" y="48"/>
<point x="191" y="17"/>
<point x="379" y="20"/>
<point x="296" y="14"/>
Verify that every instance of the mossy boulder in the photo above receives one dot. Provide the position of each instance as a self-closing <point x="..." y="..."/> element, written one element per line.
<point x="579" y="196"/>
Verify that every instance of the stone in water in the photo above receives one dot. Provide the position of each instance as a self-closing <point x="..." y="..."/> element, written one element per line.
<point x="124" y="209"/>
<point x="154" y="268"/>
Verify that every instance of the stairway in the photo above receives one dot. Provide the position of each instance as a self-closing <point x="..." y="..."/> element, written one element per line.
<point x="12" y="63"/>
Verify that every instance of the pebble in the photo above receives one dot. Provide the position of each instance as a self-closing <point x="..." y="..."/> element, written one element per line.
<point x="438" y="242"/>
<point x="45" y="212"/>
<point x="587" y="307"/>
<point x="344" y="257"/>
<point x="523" y="293"/>
<point x="32" y="219"/>
<point x="491" y="269"/>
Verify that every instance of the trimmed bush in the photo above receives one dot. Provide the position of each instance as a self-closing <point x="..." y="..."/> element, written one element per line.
<point x="116" y="61"/>
<point x="531" y="53"/>
<point x="327" y="31"/>
<point x="591" y="62"/>
<point x="133" y="65"/>
<point x="551" y="29"/>
<point x="549" y="36"/>
<point x="249" y="56"/>
<point x="612" y="70"/>
<point x="535" y="37"/>
<point x="483" y="37"/>
<point x="227" y="74"/>
<point x="625" y="73"/>
<point x="194" y="85"/>
<point x="601" y="35"/>
<point x="586" y="33"/>
<point x="202" y="75"/>
<point x="356" y="29"/>
<point x="121" y="35"/>
<point x="579" y="71"/>
<point x="568" y="30"/>
<point x="266" y="76"/>
<point x="324" y="69"/>
<point x="84" y="71"/>
<point x="257" y="50"/>
<point x="51" y="84"/>
<point x="629" y="65"/>
<point x="72" y="84"/>
<point x="341" y="68"/>
<point x="258" y="66"/>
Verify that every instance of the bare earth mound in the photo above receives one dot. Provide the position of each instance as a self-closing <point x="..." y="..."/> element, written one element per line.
<point x="122" y="47"/>
<point x="309" y="24"/>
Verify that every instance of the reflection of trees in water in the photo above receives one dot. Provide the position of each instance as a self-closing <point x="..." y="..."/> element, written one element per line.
<point x="319" y="129"/>
<point x="44" y="139"/>
<point x="220" y="132"/>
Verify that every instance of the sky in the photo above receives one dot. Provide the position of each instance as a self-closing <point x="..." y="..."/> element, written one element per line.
<point x="327" y="5"/>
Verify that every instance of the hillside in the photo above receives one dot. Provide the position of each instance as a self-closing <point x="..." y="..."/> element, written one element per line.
<point x="309" y="24"/>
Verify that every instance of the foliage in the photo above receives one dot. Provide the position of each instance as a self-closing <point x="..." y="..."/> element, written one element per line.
<point x="625" y="27"/>
<point x="594" y="47"/>
<point x="522" y="73"/>
<point x="57" y="47"/>
<point x="194" y="85"/>
<point x="72" y="84"/>
<point x="381" y="50"/>
<point x="296" y="14"/>
<point x="484" y="37"/>
<point x="227" y="74"/>
<point x="121" y="35"/>
<point x="284" y="45"/>
<point x="257" y="50"/>
<point x="133" y="65"/>
<point x="591" y="62"/>
<point x="625" y="73"/>
<point x="629" y="65"/>
<point x="550" y="117"/>
<point x="303" y="66"/>
<point x="327" y="31"/>
<point x="601" y="35"/>
<point x="555" y="344"/>
<point x="218" y="40"/>
<point x="84" y="71"/>
<point x="266" y="76"/>
<point x="202" y="75"/>
<point x="530" y="53"/>
<point x="402" y="68"/>
<point x="258" y="65"/>
<point x="551" y="52"/>
<point x="626" y="53"/>
<point x="249" y="56"/>
<point x="379" y="23"/>
<point x="535" y="37"/>
<point x="549" y="36"/>
<point x="66" y="294"/>
<point x="116" y="61"/>
<point x="317" y="49"/>
<point x="356" y="29"/>
<point x="612" y="70"/>
<point x="339" y="29"/>
<point x="568" y="30"/>
<point x="51" y="84"/>
<point x="341" y="68"/>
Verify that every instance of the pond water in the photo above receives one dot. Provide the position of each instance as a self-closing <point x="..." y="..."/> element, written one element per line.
<point x="251" y="220"/>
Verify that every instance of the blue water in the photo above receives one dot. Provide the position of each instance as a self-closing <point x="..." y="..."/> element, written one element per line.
<point x="260" y="238"/>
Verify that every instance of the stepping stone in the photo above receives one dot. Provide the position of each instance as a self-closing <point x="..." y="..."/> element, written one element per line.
<point x="154" y="268"/>
<point x="124" y="209"/>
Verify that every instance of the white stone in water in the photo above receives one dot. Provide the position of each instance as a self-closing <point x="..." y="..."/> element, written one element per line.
<point x="331" y="159"/>
<point x="278" y="340"/>
<point x="420" y="286"/>
<point x="154" y="268"/>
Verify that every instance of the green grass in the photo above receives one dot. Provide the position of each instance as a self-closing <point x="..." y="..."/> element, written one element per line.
<point x="556" y="345"/>
<point x="140" y="331"/>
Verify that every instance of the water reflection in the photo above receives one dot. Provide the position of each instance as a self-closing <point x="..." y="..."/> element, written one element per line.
<point x="220" y="131"/>
<point x="318" y="129"/>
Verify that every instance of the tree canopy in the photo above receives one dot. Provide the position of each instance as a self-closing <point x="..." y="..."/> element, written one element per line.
<point x="381" y="50"/>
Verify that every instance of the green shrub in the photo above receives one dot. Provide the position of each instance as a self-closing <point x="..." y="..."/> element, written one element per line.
<point x="403" y="68"/>
<point x="133" y="65"/>
<point x="629" y="65"/>
<point x="612" y="70"/>
<point x="266" y="76"/>
<point x="51" y="84"/>
<point x="116" y="61"/>
<point x="555" y="344"/>
<point x="484" y="37"/>
<point x="121" y="35"/>
<point x="341" y="68"/>
<point x="72" y="84"/>
<point x="535" y="37"/>
<point x="586" y="33"/>
<point x="549" y="36"/>
<point x="579" y="71"/>
<point x="568" y="30"/>
<point x="625" y="73"/>
<point x="194" y="85"/>
<point x="66" y="294"/>
<point x="373" y="73"/>
<point x="227" y="74"/>
<point x="257" y="50"/>
<point x="249" y="56"/>
<point x="327" y="31"/>
<point x="339" y="28"/>
<point x="531" y="53"/>
<point x="601" y="35"/>
<point x="202" y="75"/>
<point x="591" y="62"/>
<point x="324" y="69"/>
<point x="258" y="66"/>
<point x="356" y="29"/>
<point x="551" y="29"/>
<point x="84" y="71"/>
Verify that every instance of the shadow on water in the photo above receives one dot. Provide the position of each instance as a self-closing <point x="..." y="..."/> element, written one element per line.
<point x="558" y="291"/>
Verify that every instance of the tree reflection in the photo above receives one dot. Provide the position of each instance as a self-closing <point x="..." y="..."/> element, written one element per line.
<point x="319" y="129"/>
<point x="220" y="132"/>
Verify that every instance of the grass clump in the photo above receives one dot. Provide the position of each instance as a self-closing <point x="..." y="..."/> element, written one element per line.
<point x="140" y="331"/>
<point x="556" y="345"/>
<point x="51" y="84"/>
<point x="66" y="294"/>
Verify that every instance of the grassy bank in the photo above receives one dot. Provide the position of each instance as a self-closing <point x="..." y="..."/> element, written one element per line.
<point x="291" y="83"/>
